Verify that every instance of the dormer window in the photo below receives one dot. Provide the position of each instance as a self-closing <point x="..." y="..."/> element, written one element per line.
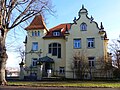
<point x="83" y="27"/>
<point x="56" y="33"/>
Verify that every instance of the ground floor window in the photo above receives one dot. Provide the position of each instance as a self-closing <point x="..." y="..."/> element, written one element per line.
<point x="62" y="70"/>
<point x="91" y="61"/>
<point x="34" y="62"/>
<point x="77" y="64"/>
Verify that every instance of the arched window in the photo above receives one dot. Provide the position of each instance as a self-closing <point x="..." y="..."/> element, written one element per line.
<point x="83" y="27"/>
<point x="38" y="33"/>
<point x="33" y="34"/>
<point x="55" y="49"/>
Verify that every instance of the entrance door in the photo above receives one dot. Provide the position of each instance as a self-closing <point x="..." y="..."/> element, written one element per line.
<point x="46" y="68"/>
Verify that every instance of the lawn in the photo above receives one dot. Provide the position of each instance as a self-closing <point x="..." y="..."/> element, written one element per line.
<point x="112" y="84"/>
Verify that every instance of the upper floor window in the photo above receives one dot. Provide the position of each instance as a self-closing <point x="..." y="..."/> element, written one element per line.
<point x="34" y="62"/>
<point x="56" y="33"/>
<point x="55" y="49"/>
<point x="77" y="43"/>
<point x="91" y="61"/>
<point x="35" y="33"/>
<point x="90" y="42"/>
<point x="38" y="33"/>
<point x="34" y="46"/>
<point x="83" y="27"/>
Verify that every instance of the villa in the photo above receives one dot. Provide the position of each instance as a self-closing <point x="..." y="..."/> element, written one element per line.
<point x="50" y="52"/>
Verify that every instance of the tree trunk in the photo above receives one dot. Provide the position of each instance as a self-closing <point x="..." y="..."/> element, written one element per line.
<point x="3" y="59"/>
<point x="2" y="71"/>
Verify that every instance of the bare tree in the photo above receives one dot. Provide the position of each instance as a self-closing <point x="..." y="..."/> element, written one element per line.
<point x="12" y="14"/>
<point x="80" y="64"/>
<point x="21" y="53"/>
<point x="104" y="67"/>
<point x="84" y="70"/>
<point x="115" y="49"/>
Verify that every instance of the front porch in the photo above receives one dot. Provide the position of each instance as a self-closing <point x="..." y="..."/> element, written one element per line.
<point x="45" y="68"/>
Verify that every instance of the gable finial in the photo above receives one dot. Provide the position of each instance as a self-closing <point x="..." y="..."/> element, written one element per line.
<point x="91" y="19"/>
<point x="74" y="20"/>
<point x="67" y="32"/>
<point x="101" y="26"/>
<point x="82" y="6"/>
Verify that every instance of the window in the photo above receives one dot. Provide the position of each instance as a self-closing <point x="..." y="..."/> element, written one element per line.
<point x="91" y="42"/>
<point x="77" y="64"/>
<point x="55" y="49"/>
<point x="62" y="70"/>
<point x="35" y="46"/>
<point x="38" y="33"/>
<point x="34" y="62"/>
<point x="77" y="43"/>
<point x="91" y="61"/>
<point x="83" y="27"/>
<point x="35" y="33"/>
<point x="56" y="33"/>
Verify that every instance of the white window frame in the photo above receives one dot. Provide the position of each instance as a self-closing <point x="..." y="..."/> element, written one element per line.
<point x="90" y="42"/>
<point x="33" y="33"/>
<point x="77" y="43"/>
<point x="83" y="27"/>
<point x="56" y="33"/>
<point x="38" y="33"/>
<point x="34" y="62"/>
<point x="35" y="46"/>
<point x="77" y="64"/>
<point x="91" y="61"/>
<point x="61" y="70"/>
<point x="58" y="49"/>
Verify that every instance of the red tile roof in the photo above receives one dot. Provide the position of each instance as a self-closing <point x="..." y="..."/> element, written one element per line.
<point x="37" y="23"/>
<point x="62" y="28"/>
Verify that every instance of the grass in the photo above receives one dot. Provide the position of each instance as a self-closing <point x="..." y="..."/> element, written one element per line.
<point x="110" y="84"/>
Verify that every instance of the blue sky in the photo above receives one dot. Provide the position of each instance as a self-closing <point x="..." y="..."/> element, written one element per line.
<point x="105" y="11"/>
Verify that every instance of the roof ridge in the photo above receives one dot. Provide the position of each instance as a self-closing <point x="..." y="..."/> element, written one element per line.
<point x="59" y="25"/>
